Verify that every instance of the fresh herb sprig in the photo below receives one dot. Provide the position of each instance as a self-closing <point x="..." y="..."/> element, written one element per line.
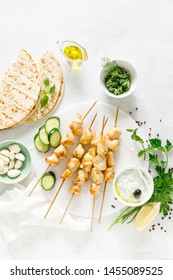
<point x="118" y="79"/>
<point x="163" y="182"/>
<point x="48" y="90"/>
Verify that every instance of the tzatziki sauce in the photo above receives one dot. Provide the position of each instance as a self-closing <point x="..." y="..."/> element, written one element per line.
<point x="130" y="187"/>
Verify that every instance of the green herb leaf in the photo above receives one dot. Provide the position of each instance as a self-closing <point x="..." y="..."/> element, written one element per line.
<point x="141" y="153"/>
<point x="137" y="138"/>
<point x="46" y="81"/>
<point x="44" y="101"/>
<point x="154" y="159"/>
<point x="160" y="170"/>
<point x="155" y="143"/>
<point x="44" y="92"/>
<point x="168" y="145"/>
<point x="52" y="89"/>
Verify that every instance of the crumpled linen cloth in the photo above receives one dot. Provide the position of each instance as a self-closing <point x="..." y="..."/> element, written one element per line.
<point x="18" y="210"/>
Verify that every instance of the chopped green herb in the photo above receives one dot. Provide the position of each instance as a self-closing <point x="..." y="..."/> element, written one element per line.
<point x="44" y="101"/>
<point x="52" y="89"/>
<point x="118" y="79"/>
<point x="46" y="81"/>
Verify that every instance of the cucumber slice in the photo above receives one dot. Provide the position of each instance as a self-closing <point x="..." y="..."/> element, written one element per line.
<point x="52" y="122"/>
<point x="43" y="135"/>
<point x="54" y="137"/>
<point x="48" y="181"/>
<point x="40" y="146"/>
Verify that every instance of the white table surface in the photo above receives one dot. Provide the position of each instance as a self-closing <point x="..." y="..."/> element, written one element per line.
<point x="138" y="31"/>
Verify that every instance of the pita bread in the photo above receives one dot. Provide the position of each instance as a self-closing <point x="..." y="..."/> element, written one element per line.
<point x="19" y="91"/>
<point x="49" y="67"/>
<point x="10" y="113"/>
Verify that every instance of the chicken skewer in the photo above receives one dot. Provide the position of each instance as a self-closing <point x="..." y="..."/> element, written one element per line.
<point x="75" y="189"/>
<point x="72" y="165"/>
<point x="64" y="150"/>
<point x="97" y="177"/>
<point x="109" y="172"/>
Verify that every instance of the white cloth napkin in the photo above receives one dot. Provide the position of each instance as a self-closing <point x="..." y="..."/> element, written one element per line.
<point x="18" y="210"/>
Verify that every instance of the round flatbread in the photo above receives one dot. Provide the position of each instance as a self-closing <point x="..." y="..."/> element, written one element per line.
<point x="49" y="67"/>
<point x="19" y="90"/>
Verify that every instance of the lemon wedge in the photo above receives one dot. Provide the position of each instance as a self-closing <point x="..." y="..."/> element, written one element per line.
<point x="146" y="215"/>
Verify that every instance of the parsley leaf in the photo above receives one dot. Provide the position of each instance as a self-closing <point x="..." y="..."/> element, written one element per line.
<point x="168" y="145"/>
<point x="154" y="159"/>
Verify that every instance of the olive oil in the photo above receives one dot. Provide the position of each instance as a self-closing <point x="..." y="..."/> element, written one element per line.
<point x="73" y="52"/>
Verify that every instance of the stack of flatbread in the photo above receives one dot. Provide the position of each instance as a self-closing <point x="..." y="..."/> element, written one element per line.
<point x="22" y="86"/>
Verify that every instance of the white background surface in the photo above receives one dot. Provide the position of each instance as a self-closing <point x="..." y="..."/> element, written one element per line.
<point x="138" y="31"/>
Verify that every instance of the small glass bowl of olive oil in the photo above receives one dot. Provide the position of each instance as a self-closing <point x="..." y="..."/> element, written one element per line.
<point x="73" y="52"/>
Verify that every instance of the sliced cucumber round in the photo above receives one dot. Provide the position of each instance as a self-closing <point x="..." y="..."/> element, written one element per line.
<point x="40" y="146"/>
<point x="48" y="181"/>
<point x="52" y="122"/>
<point x="43" y="135"/>
<point x="54" y="137"/>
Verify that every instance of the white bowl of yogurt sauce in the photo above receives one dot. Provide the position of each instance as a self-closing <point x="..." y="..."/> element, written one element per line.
<point x="133" y="188"/>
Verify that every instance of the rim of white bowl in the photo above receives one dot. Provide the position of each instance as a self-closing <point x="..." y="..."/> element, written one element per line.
<point x="151" y="184"/>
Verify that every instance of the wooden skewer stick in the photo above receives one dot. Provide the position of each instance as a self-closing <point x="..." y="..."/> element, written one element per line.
<point x="105" y="185"/>
<point x="63" y="183"/>
<point x="93" y="209"/>
<point x="54" y="198"/>
<point x="102" y="203"/>
<point x="47" y="168"/>
<point x="93" y="121"/>
<point x="50" y="164"/>
<point x="104" y="122"/>
<point x="89" y="110"/>
<point x="116" y="117"/>
<point x="66" y="208"/>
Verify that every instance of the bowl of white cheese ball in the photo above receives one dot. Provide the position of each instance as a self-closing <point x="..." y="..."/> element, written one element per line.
<point x="15" y="162"/>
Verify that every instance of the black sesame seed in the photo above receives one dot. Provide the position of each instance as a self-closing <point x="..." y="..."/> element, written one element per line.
<point x="162" y="218"/>
<point x="161" y="228"/>
<point x="170" y="218"/>
<point x="130" y="113"/>
<point x="136" y="108"/>
<point x="158" y="224"/>
<point x="112" y="206"/>
<point x="164" y="230"/>
<point x="149" y="229"/>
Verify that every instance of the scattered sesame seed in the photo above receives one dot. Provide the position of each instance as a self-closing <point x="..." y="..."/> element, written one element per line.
<point x="158" y="224"/>
<point x="113" y="206"/>
<point x="161" y="228"/>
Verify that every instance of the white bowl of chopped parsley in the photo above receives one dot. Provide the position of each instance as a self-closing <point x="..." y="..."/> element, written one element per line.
<point x="118" y="78"/>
